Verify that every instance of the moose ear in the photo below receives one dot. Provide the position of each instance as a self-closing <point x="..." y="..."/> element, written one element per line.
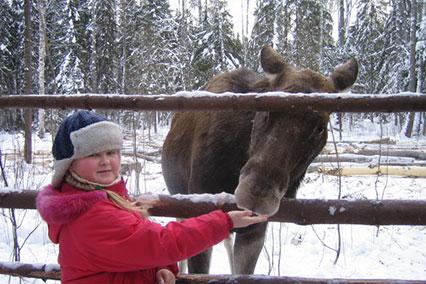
<point x="271" y="61"/>
<point x="345" y="75"/>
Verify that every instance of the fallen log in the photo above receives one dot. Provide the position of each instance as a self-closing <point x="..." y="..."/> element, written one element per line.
<point x="52" y="272"/>
<point x="419" y="155"/>
<point x="362" y="159"/>
<point x="404" y="171"/>
<point x="299" y="211"/>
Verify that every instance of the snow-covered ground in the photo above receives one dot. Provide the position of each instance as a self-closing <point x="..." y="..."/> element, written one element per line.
<point x="395" y="252"/>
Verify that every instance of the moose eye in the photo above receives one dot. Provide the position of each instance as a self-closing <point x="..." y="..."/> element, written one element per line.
<point x="321" y="129"/>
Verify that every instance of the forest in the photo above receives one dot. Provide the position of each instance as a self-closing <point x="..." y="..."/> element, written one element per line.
<point x="153" y="47"/>
<point x="144" y="47"/>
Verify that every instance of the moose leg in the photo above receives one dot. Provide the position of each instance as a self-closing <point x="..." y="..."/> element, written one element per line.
<point x="247" y="247"/>
<point x="200" y="263"/>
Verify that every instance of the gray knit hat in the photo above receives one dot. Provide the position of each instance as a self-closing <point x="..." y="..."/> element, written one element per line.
<point x="82" y="134"/>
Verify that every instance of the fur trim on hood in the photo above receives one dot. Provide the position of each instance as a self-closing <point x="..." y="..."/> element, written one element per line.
<point x="58" y="208"/>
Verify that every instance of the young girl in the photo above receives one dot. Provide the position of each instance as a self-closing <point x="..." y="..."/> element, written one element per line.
<point x="102" y="236"/>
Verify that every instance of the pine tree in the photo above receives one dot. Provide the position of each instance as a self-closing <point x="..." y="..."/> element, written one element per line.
<point x="83" y="32"/>
<point x="217" y="47"/>
<point x="182" y="72"/>
<point x="283" y="27"/>
<point x="105" y="53"/>
<point x="311" y="33"/>
<point x="367" y="41"/>
<point x="126" y="30"/>
<point x="17" y="46"/>
<point x="6" y="51"/>
<point x="56" y="49"/>
<point x="393" y="72"/>
<point x="11" y="65"/>
<point x="130" y="42"/>
<point x="150" y="48"/>
<point x="228" y="47"/>
<point x="263" y="31"/>
<point x="70" y="78"/>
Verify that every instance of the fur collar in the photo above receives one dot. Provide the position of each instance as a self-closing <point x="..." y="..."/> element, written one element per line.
<point x="58" y="208"/>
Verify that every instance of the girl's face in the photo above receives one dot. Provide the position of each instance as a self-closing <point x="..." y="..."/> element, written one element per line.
<point x="102" y="167"/>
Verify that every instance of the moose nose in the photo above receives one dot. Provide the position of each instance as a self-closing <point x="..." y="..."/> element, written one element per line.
<point x="246" y="198"/>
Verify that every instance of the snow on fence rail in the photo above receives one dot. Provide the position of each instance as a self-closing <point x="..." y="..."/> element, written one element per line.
<point x="202" y="100"/>
<point x="299" y="211"/>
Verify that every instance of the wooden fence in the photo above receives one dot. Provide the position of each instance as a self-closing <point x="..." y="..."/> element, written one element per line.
<point x="298" y="211"/>
<point x="275" y="101"/>
<point x="369" y="212"/>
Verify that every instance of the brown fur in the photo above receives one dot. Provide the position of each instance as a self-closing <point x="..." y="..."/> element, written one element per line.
<point x="261" y="157"/>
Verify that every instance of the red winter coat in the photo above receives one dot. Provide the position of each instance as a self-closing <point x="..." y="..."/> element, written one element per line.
<point x="102" y="243"/>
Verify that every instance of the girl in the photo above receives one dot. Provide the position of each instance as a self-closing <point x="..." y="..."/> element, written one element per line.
<point x="102" y="236"/>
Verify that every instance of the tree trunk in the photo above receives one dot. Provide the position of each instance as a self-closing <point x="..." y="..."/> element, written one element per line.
<point x="200" y="12"/>
<point x="41" y="62"/>
<point x="341" y="24"/>
<point x="412" y="73"/>
<point x="28" y="81"/>
<point x="123" y="55"/>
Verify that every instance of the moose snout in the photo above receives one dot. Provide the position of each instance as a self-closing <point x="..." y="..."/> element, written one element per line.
<point x="262" y="201"/>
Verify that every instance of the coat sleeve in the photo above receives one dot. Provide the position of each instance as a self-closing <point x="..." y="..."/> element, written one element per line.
<point x="113" y="239"/>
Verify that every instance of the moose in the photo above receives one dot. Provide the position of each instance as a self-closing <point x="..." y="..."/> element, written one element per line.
<point x="259" y="156"/>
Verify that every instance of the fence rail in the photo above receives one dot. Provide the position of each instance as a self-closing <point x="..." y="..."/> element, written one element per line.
<point x="52" y="271"/>
<point x="201" y="100"/>
<point x="299" y="211"/>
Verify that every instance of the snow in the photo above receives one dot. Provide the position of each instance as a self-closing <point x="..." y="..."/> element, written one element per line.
<point x="216" y="199"/>
<point x="393" y="252"/>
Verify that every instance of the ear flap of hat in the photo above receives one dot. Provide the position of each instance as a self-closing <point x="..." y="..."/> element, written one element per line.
<point x="60" y="169"/>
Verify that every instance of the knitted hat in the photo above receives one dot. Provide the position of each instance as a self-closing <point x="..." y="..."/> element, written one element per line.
<point x="82" y="134"/>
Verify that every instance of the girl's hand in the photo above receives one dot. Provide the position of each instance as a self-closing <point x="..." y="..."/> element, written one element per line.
<point x="245" y="218"/>
<point x="165" y="276"/>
